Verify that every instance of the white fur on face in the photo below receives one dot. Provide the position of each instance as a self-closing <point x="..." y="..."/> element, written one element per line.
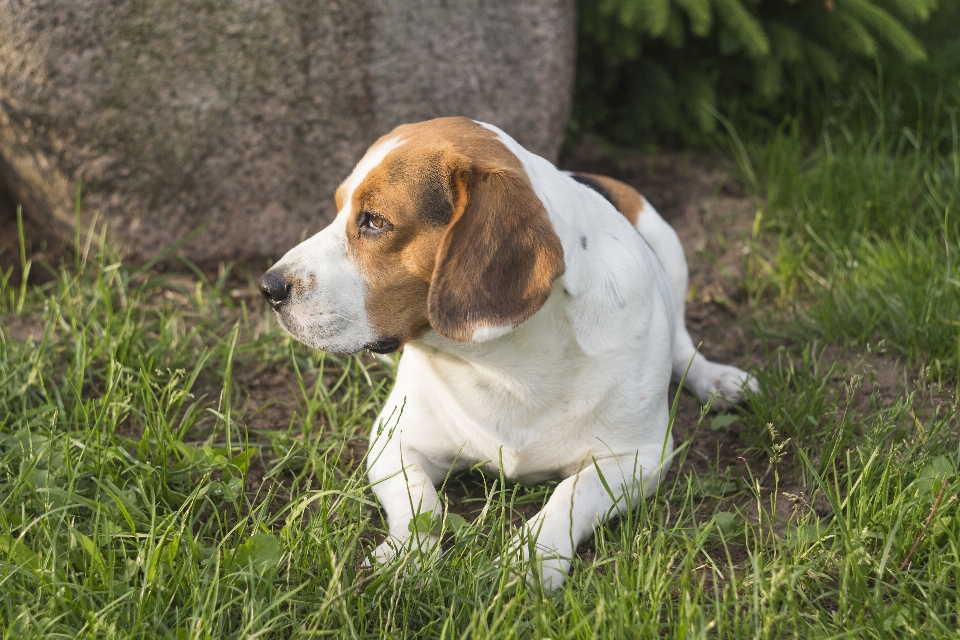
<point x="326" y="308"/>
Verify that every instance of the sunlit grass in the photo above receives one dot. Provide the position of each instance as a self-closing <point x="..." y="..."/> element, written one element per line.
<point x="867" y="230"/>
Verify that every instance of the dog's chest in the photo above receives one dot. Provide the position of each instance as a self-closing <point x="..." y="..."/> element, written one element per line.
<point x="533" y="402"/>
<point x="532" y="428"/>
<point x="528" y="448"/>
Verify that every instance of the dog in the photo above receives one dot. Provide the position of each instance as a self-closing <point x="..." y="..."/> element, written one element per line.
<point x="541" y="316"/>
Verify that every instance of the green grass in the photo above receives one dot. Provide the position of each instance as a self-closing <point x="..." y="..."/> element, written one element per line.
<point x="862" y="228"/>
<point x="146" y="491"/>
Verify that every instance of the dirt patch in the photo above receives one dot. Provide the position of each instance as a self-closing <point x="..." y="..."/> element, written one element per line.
<point x="272" y="397"/>
<point x="9" y="243"/>
<point x="37" y="248"/>
<point x="23" y="329"/>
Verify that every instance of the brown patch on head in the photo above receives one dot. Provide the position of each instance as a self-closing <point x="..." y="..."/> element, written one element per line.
<point x="465" y="241"/>
<point x="625" y="198"/>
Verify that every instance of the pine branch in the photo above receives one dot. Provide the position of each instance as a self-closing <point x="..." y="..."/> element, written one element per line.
<point x="745" y="25"/>
<point x="699" y="14"/>
<point x="769" y="78"/>
<point x="749" y="48"/>
<point x="858" y="38"/>
<point x="676" y="33"/>
<point x="785" y="42"/>
<point x="916" y="9"/>
<point x="885" y="26"/>
<point x="822" y="60"/>
<point x="656" y="14"/>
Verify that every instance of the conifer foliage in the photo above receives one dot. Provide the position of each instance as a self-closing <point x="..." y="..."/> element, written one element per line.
<point x="661" y="68"/>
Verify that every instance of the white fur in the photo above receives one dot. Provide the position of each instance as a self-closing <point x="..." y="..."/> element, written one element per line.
<point x="491" y="332"/>
<point x="370" y="161"/>
<point x="328" y="311"/>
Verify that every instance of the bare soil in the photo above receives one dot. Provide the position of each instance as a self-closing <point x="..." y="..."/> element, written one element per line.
<point x="37" y="248"/>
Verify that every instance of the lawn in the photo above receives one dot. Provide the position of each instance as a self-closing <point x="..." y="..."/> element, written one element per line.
<point x="172" y="465"/>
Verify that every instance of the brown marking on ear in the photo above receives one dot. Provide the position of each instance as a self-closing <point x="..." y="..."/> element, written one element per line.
<point x="469" y="243"/>
<point x="625" y="198"/>
<point x="498" y="259"/>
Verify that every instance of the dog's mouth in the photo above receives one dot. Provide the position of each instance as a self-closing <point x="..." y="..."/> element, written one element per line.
<point x="384" y="345"/>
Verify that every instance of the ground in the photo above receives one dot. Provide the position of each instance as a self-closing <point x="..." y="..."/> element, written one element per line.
<point x="804" y="509"/>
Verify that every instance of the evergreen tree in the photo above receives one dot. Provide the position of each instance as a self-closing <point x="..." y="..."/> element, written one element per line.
<point x="659" y="69"/>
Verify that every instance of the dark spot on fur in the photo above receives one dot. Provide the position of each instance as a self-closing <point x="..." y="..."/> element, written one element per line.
<point x="611" y="287"/>
<point x="397" y="169"/>
<point x="434" y="199"/>
<point x="583" y="242"/>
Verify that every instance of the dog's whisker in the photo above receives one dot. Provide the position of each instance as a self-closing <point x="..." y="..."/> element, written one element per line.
<point x="351" y="321"/>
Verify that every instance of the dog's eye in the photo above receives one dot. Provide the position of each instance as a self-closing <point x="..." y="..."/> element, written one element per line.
<point x="371" y="223"/>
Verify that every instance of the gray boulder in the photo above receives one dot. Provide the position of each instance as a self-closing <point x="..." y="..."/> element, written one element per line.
<point x="242" y="116"/>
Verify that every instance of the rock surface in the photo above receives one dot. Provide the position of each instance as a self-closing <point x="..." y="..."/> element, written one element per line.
<point x="240" y="117"/>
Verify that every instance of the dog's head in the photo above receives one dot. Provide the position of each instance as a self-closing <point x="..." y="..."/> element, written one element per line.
<point x="438" y="227"/>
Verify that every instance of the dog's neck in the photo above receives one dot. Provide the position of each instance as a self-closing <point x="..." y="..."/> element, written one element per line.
<point x="525" y="363"/>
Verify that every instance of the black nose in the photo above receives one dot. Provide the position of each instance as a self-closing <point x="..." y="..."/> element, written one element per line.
<point x="274" y="288"/>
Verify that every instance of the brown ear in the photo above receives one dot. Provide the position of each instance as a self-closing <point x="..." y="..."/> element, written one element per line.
<point x="497" y="261"/>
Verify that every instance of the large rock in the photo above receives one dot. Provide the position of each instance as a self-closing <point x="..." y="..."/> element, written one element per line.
<point x="243" y="116"/>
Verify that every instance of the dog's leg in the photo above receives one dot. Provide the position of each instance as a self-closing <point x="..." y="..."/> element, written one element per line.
<point x="583" y="502"/>
<point x="704" y="378"/>
<point x="404" y="483"/>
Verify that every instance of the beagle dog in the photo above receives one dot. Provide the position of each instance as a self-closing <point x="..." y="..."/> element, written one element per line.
<point x="540" y="315"/>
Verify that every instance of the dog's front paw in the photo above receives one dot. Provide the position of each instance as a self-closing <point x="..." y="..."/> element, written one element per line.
<point x="553" y="571"/>
<point x="384" y="553"/>
<point x="548" y="565"/>
<point x="724" y="381"/>
<point x="394" y="546"/>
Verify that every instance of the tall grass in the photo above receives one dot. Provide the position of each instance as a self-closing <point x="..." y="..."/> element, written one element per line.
<point x="864" y="227"/>
<point x="136" y="500"/>
<point x="143" y="494"/>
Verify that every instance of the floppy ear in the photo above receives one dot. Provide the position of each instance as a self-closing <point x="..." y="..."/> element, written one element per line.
<point x="497" y="261"/>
